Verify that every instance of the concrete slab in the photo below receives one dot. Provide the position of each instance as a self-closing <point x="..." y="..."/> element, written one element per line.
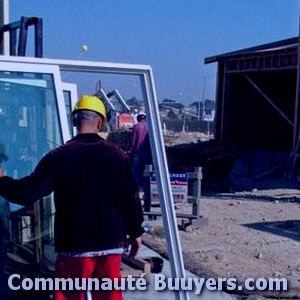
<point x="151" y="293"/>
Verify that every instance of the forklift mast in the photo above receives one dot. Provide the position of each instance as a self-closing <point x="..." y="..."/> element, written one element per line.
<point x="118" y="112"/>
<point x="17" y="46"/>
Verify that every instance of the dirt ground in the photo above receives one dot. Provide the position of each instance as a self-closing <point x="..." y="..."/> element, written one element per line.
<point x="252" y="231"/>
<point x="251" y="234"/>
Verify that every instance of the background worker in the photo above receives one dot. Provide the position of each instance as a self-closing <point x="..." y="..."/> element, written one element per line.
<point x="95" y="197"/>
<point x="140" y="149"/>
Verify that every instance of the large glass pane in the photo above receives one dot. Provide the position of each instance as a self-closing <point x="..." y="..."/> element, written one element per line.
<point x="28" y="119"/>
<point x="30" y="127"/>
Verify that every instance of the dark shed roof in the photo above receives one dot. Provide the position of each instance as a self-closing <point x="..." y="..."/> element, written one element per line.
<point x="283" y="44"/>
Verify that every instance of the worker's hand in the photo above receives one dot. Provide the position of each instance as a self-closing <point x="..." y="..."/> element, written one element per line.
<point x="134" y="247"/>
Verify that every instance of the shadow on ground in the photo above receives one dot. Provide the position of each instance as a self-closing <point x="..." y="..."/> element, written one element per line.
<point x="288" y="228"/>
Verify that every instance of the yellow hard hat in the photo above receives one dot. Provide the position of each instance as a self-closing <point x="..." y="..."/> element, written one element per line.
<point x="93" y="103"/>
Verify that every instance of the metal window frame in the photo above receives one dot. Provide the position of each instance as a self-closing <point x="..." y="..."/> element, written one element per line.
<point x="157" y="143"/>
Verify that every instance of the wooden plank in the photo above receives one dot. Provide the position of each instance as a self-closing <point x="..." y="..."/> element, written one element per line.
<point x="126" y="271"/>
<point x="179" y="215"/>
<point x="137" y="263"/>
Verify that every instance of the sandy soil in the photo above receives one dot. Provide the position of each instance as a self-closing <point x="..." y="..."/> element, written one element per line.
<point x="248" y="233"/>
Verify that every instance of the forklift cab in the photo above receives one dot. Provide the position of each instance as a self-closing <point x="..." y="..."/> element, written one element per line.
<point x="119" y="116"/>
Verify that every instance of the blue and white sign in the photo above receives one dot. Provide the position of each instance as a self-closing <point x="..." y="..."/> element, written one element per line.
<point x="179" y="187"/>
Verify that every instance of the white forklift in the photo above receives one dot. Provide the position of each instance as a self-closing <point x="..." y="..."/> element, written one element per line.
<point x="119" y="116"/>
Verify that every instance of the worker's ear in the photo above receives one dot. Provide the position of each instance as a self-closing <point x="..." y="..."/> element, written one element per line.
<point x="100" y="123"/>
<point x="74" y="120"/>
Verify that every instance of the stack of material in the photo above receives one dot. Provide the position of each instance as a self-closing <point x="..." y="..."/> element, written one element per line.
<point x="120" y="138"/>
<point x="215" y="158"/>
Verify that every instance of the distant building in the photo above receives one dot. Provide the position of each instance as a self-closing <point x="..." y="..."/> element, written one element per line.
<point x="135" y="105"/>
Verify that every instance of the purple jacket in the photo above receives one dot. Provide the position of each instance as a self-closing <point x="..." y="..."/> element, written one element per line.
<point x="140" y="138"/>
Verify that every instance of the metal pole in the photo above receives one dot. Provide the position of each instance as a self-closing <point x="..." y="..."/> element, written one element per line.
<point x="208" y="129"/>
<point x="296" y="136"/>
<point x="224" y="83"/>
<point x="203" y="94"/>
<point x="38" y="39"/>
<point x="4" y="19"/>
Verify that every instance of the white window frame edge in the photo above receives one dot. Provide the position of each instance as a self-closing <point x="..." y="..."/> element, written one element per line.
<point x="72" y="89"/>
<point x="157" y="144"/>
<point x="11" y="66"/>
<point x="163" y="176"/>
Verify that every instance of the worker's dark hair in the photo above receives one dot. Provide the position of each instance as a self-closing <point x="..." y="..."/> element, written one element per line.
<point x="141" y="117"/>
<point x="85" y="115"/>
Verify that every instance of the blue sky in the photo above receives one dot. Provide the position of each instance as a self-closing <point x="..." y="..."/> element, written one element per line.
<point x="173" y="36"/>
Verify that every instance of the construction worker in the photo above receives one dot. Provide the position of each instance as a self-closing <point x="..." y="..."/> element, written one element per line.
<point x="97" y="213"/>
<point x="140" y="148"/>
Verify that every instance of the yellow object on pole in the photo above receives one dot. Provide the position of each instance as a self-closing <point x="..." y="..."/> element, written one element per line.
<point x="84" y="47"/>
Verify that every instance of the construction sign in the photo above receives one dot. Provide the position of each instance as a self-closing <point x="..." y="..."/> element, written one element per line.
<point x="179" y="187"/>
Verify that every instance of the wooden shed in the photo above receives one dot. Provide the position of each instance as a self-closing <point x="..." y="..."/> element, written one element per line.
<point x="256" y="99"/>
